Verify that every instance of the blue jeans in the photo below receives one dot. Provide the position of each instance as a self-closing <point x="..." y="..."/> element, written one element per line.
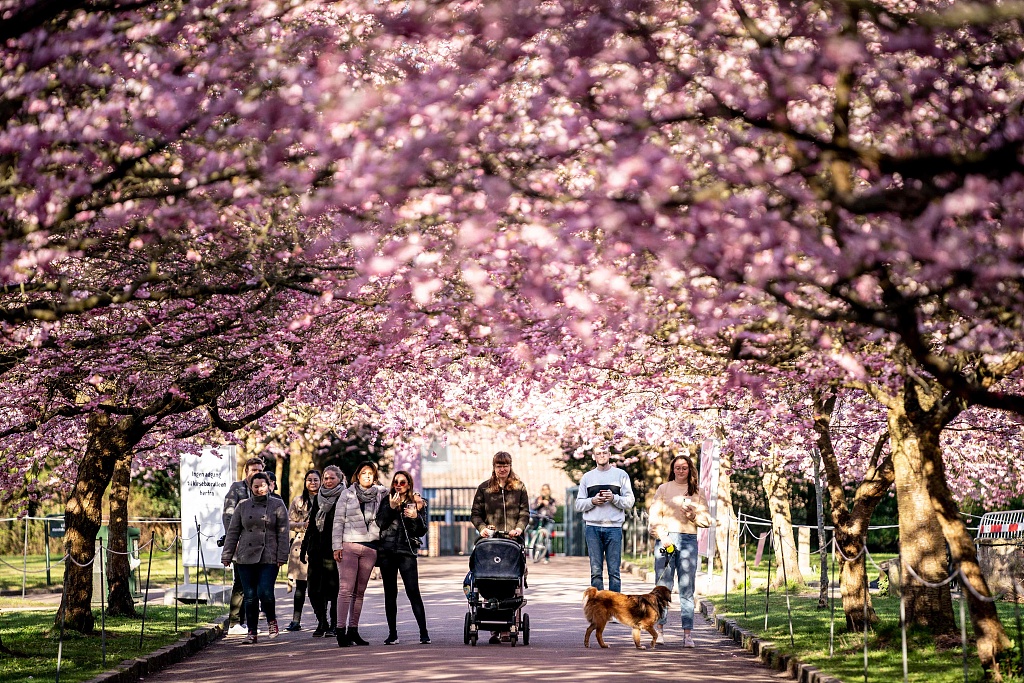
<point x="549" y="528"/>
<point x="605" y="543"/>
<point x="258" y="587"/>
<point x="683" y="563"/>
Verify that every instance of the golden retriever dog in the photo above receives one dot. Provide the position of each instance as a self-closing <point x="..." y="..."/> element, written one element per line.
<point x="636" y="611"/>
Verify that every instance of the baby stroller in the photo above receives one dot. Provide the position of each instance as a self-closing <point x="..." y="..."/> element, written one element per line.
<point x="494" y="589"/>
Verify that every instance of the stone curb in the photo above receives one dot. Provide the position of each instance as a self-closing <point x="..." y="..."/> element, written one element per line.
<point x="132" y="670"/>
<point x="765" y="651"/>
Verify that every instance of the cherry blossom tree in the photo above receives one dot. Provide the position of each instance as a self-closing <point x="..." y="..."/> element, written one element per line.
<point x="854" y="166"/>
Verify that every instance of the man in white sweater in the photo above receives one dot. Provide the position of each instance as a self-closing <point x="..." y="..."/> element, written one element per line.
<point x="604" y="496"/>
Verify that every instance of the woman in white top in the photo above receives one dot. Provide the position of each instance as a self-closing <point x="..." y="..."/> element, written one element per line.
<point x="676" y="512"/>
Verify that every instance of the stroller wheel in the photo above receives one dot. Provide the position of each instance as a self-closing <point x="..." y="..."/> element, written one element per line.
<point x="525" y="628"/>
<point x="513" y="638"/>
<point x="473" y="640"/>
<point x="465" y="632"/>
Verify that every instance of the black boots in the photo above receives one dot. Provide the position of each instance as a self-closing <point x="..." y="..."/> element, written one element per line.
<point x="353" y="636"/>
<point x="321" y="629"/>
<point x="343" y="640"/>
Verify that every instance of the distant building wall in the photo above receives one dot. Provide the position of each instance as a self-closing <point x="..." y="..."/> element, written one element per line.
<point x="466" y="461"/>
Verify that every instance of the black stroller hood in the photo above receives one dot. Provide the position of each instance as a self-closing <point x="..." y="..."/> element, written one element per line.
<point x="497" y="558"/>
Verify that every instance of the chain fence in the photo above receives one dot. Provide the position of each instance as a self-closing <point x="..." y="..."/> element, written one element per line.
<point x="956" y="581"/>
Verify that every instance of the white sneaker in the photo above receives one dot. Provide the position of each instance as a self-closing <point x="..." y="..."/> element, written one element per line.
<point x="238" y="630"/>
<point x="688" y="642"/>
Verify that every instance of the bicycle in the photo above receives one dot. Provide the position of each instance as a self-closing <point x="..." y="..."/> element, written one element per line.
<point x="537" y="537"/>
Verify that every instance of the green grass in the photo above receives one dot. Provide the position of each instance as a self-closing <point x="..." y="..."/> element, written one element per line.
<point x="926" y="662"/>
<point x="33" y="633"/>
<point x="163" y="572"/>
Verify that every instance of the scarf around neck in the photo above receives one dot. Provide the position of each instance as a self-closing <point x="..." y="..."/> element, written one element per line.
<point x="325" y="499"/>
<point x="366" y="495"/>
<point x="365" y="498"/>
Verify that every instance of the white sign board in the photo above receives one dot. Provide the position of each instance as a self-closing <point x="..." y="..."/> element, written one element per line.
<point x="710" y="455"/>
<point x="205" y="480"/>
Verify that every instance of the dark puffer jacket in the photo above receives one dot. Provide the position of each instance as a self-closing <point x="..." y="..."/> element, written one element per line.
<point x="395" y="539"/>
<point x="505" y="510"/>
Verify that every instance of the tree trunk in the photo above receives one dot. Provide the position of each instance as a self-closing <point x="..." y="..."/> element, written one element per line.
<point x="922" y="544"/>
<point x="727" y="537"/>
<point x="83" y="514"/>
<point x="776" y="486"/>
<point x="851" y="525"/>
<point x="119" y="600"/>
<point x="285" y="479"/>
<point x="991" y="637"/>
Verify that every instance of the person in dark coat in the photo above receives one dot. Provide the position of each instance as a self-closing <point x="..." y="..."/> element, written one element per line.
<point x="237" y="492"/>
<point x="257" y="542"/>
<point x="501" y="503"/>
<point x="318" y="554"/>
<point x="402" y="521"/>
<point x="298" y="514"/>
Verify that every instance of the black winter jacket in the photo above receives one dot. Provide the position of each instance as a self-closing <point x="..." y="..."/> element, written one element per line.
<point x="237" y="492"/>
<point x="316" y="544"/>
<point x="395" y="539"/>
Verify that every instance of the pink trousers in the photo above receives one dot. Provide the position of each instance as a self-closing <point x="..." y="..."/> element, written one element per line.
<point x="353" y="574"/>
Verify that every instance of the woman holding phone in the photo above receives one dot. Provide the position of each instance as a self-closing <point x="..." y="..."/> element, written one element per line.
<point x="677" y="510"/>
<point x="402" y="522"/>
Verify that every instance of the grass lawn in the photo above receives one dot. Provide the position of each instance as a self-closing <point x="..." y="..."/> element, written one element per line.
<point x="927" y="661"/>
<point x="163" y="572"/>
<point x="32" y="633"/>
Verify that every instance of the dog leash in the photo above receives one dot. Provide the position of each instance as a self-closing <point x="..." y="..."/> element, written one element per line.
<point x="668" y="554"/>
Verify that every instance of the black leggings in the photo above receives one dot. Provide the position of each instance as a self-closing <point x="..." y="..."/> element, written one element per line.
<point x="390" y="565"/>
<point x="299" y="600"/>
<point x="322" y="580"/>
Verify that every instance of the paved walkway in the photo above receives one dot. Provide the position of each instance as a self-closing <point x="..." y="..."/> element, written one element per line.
<point x="555" y="652"/>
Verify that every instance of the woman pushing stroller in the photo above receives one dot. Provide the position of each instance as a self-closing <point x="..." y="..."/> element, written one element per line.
<point x="501" y="504"/>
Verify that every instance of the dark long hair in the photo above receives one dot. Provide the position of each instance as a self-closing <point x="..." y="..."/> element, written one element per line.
<point x="259" y="475"/>
<point x="409" y="489"/>
<point x="512" y="483"/>
<point x="306" y="499"/>
<point x="691" y="476"/>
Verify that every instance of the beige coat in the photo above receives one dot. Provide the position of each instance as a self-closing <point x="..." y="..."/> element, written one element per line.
<point x="298" y="519"/>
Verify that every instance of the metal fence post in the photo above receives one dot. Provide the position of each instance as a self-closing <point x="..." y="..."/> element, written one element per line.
<point x="24" y="561"/>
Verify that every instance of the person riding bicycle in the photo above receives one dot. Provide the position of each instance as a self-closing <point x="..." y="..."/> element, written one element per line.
<point x="544" y="507"/>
